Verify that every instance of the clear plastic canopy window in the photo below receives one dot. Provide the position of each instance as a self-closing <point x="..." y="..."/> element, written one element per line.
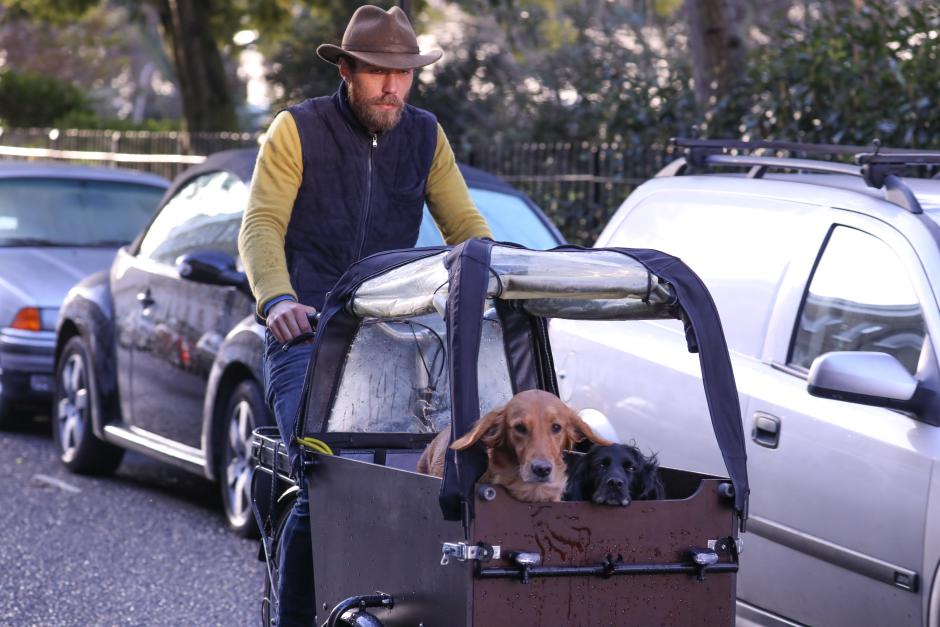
<point x="395" y="378"/>
<point x="592" y="285"/>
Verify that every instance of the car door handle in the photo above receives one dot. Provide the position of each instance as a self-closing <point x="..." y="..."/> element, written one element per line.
<point x="145" y="298"/>
<point x="766" y="430"/>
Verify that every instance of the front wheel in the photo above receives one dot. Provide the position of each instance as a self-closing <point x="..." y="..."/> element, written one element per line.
<point x="272" y="578"/>
<point x="244" y="411"/>
<point x="75" y="402"/>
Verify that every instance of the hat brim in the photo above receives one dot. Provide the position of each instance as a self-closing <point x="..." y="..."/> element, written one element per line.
<point x="390" y="60"/>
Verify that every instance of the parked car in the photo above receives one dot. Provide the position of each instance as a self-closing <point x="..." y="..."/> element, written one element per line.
<point x="58" y="223"/>
<point x="162" y="354"/>
<point x="827" y="281"/>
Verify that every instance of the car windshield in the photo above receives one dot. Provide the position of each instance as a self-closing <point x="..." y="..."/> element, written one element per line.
<point x="509" y="217"/>
<point x="73" y="212"/>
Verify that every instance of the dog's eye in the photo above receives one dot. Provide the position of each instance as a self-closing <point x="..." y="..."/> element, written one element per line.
<point x="556" y="428"/>
<point x="627" y="466"/>
<point x="604" y="463"/>
<point x="521" y="429"/>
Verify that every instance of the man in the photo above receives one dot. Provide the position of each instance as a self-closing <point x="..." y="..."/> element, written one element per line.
<point x="339" y="178"/>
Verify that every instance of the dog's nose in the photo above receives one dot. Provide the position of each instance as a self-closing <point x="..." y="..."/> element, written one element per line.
<point x="615" y="483"/>
<point x="541" y="468"/>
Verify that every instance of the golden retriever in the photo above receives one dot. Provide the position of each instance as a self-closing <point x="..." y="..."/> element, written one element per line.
<point x="524" y="441"/>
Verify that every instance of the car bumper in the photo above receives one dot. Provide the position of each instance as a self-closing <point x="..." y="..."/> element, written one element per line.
<point x="27" y="366"/>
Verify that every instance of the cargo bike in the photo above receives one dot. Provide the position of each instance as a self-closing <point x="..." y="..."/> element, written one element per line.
<point x="410" y="341"/>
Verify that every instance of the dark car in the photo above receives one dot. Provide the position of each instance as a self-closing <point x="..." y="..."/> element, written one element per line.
<point x="162" y="354"/>
<point x="58" y="223"/>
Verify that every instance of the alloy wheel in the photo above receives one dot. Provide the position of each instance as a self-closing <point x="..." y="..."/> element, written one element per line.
<point x="73" y="409"/>
<point x="238" y="468"/>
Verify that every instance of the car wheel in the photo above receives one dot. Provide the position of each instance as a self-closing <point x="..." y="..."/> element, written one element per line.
<point x="244" y="411"/>
<point x="75" y="402"/>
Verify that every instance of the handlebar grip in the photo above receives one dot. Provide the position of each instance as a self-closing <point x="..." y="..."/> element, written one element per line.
<point x="303" y="337"/>
<point x="313" y="319"/>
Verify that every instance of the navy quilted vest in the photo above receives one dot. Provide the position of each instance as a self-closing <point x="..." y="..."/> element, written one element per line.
<point x="360" y="194"/>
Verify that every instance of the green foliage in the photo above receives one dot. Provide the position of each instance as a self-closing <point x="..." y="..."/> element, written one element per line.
<point x="566" y="70"/>
<point x="846" y="76"/>
<point x="560" y="71"/>
<point x="53" y="11"/>
<point x="295" y="67"/>
<point x="28" y="99"/>
<point x="476" y="91"/>
<point x="666" y="8"/>
<point x="516" y="70"/>
<point x="90" y="121"/>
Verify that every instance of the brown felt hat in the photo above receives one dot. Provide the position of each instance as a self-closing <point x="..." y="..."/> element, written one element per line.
<point x="381" y="38"/>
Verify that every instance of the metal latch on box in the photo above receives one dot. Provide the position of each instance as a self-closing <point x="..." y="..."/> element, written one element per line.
<point x="461" y="551"/>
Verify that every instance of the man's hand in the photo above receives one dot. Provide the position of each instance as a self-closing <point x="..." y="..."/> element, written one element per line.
<point x="288" y="319"/>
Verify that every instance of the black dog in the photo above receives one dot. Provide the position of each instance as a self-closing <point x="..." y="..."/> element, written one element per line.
<point x="614" y="475"/>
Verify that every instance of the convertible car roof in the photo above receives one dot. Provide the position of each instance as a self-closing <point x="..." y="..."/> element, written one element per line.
<point x="241" y="163"/>
<point x="41" y="169"/>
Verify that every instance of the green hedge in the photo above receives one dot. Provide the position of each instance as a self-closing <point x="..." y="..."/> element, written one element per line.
<point x="28" y="99"/>
<point x="847" y="76"/>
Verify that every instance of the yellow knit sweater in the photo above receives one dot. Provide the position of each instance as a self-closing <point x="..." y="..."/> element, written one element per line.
<point x="274" y="186"/>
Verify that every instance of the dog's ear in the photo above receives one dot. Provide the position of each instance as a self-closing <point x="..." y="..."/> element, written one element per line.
<point x="648" y="484"/>
<point x="578" y="430"/>
<point x="490" y="429"/>
<point x="580" y="483"/>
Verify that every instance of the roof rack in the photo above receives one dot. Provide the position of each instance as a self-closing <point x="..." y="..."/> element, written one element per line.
<point x="880" y="170"/>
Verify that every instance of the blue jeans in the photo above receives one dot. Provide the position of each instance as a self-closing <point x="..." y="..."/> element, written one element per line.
<point x="283" y="386"/>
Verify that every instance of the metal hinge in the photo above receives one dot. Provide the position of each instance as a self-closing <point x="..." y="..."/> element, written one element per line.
<point x="461" y="551"/>
<point x="727" y="546"/>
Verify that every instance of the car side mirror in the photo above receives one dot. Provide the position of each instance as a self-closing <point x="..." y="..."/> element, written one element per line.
<point x="867" y="378"/>
<point x="213" y="267"/>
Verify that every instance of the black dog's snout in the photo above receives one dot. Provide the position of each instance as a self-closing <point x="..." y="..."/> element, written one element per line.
<point x="615" y="483"/>
<point x="541" y="468"/>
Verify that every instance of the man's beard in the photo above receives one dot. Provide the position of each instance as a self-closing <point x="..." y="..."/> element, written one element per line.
<point x="376" y="120"/>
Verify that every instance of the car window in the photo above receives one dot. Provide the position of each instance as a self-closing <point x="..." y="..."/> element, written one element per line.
<point x="859" y="299"/>
<point x="73" y="212"/>
<point x="205" y="214"/>
<point x="509" y="217"/>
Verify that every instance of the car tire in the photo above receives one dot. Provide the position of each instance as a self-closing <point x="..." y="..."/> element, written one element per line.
<point x="244" y="411"/>
<point x="10" y="417"/>
<point x="75" y="402"/>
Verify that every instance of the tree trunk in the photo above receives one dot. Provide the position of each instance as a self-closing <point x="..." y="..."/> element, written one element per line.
<point x="716" y="46"/>
<point x="207" y="103"/>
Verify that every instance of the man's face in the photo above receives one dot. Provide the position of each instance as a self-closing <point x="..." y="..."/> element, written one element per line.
<point x="377" y="95"/>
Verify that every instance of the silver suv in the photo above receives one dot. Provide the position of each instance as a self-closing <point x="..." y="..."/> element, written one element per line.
<point x="827" y="278"/>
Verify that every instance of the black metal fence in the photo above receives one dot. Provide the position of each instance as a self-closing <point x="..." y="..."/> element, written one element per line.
<point x="164" y="153"/>
<point x="579" y="185"/>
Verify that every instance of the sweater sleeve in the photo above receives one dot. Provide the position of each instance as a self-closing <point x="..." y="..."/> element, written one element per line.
<point x="449" y="199"/>
<point x="274" y="186"/>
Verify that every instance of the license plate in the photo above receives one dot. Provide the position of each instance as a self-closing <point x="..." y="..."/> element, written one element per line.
<point x="40" y="382"/>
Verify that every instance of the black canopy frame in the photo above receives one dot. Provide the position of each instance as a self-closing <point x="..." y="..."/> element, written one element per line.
<point x="528" y="353"/>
